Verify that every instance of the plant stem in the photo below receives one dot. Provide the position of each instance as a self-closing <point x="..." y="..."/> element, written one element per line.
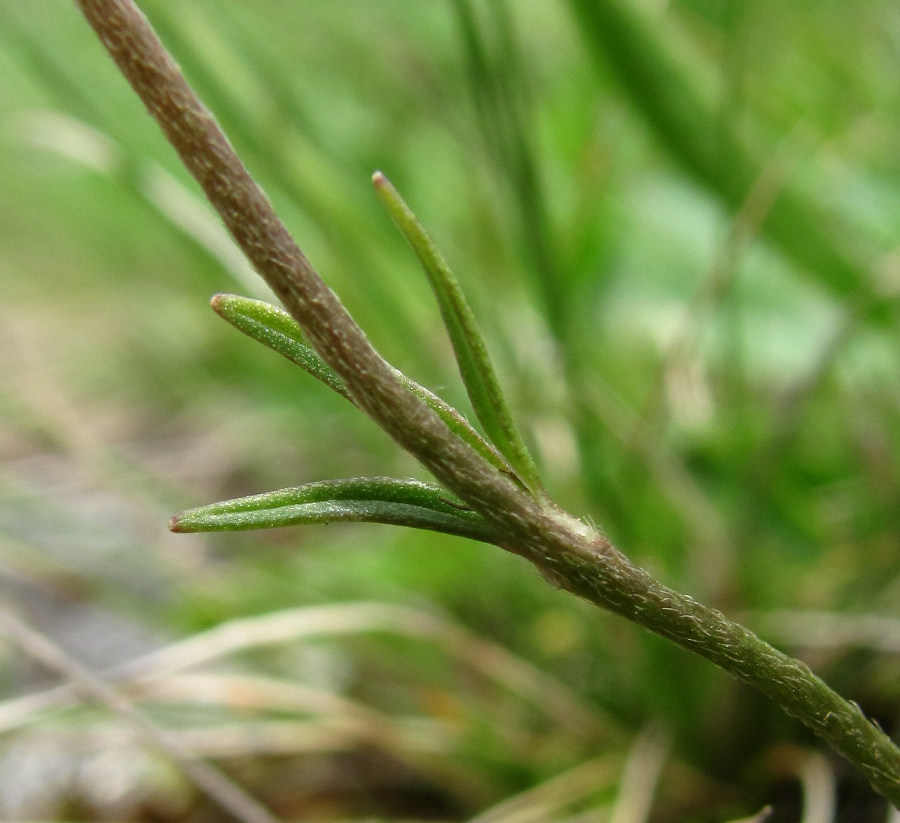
<point x="570" y="554"/>
<point x="373" y="384"/>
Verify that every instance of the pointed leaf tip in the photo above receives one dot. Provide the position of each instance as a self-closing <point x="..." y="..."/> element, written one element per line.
<point x="277" y="330"/>
<point x="468" y="343"/>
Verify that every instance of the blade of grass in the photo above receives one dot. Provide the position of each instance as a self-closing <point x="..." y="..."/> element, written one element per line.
<point x="138" y="175"/>
<point x="37" y="57"/>
<point x="472" y="357"/>
<point x="549" y="800"/>
<point x="641" y="776"/>
<point x="761" y="817"/>
<point x="496" y="82"/>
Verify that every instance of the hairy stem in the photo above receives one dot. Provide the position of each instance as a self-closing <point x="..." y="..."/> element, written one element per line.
<point x="569" y="554"/>
<point x="206" y="153"/>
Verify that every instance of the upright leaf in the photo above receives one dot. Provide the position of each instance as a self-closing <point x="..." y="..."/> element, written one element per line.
<point x="472" y="357"/>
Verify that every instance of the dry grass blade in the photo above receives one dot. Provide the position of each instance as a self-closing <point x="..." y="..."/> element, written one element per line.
<point x="640" y="778"/>
<point x="493" y="661"/>
<point x="513" y="673"/>
<point x="543" y="802"/>
<point x="210" y="780"/>
<point x="763" y="815"/>
<point x="356" y="723"/>
<point x="819" y="790"/>
<point x="185" y="213"/>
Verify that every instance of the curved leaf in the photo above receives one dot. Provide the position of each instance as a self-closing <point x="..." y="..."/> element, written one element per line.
<point x="279" y="331"/>
<point x="386" y="500"/>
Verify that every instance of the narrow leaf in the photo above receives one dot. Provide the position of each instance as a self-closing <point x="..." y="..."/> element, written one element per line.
<point x="472" y="357"/>
<point x="359" y="500"/>
<point x="279" y="331"/>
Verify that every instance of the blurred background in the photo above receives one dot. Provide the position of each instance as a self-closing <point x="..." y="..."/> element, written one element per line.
<point x="678" y="225"/>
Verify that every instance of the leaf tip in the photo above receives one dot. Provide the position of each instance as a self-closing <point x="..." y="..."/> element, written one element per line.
<point x="379" y="180"/>
<point x="175" y="524"/>
<point x="218" y="302"/>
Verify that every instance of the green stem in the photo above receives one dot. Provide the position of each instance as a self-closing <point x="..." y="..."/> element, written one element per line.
<point x="569" y="553"/>
<point x="787" y="681"/>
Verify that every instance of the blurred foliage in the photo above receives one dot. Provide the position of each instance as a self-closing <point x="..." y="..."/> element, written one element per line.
<point x="691" y="375"/>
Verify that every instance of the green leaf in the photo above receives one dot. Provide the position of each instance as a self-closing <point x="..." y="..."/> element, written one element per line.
<point x="472" y="357"/>
<point x="279" y="331"/>
<point x="358" y="500"/>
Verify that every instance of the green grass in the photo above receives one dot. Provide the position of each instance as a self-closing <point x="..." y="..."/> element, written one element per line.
<point x="709" y="384"/>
